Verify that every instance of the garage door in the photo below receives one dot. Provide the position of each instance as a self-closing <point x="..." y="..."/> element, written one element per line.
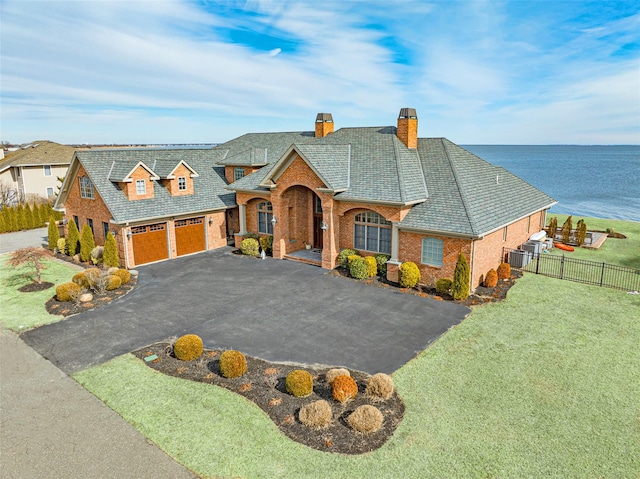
<point x="149" y="243"/>
<point x="190" y="236"/>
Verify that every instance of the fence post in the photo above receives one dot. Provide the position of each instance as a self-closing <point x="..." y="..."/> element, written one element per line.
<point x="562" y="267"/>
<point x="602" y="274"/>
<point x="537" y="263"/>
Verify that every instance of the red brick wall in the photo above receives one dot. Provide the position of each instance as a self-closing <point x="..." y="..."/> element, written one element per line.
<point x="229" y="171"/>
<point x="130" y="188"/>
<point x="172" y="185"/>
<point x="408" y="131"/>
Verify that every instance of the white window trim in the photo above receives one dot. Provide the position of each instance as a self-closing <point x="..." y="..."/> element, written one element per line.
<point x="267" y="210"/>
<point x="183" y="186"/>
<point x="44" y="169"/>
<point x="381" y="223"/>
<point x="86" y="190"/>
<point x="53" y="193"/>
<point x="422" y="259"/>
<point x="144" y="187"/>
<point x="236" y="176"/>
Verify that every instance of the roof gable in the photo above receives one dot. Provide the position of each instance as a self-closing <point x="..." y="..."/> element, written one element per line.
<point x="166" y="168"/>
<point x="122" y="170"/>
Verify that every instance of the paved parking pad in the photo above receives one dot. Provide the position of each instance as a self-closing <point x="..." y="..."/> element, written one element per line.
<point x="272" y="309"/>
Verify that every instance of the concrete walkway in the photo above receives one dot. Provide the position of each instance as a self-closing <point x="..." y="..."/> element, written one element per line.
<point x="53" y="428"/>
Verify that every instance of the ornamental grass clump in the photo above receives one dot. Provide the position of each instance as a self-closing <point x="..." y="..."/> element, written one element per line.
<point x="504" y="271"/>
<point x="358" y="268"/>
<point x="332" y="374"/>
<point x="380" y="387"/>
<point x="67" y="292"/>
<point x="344" y="388"/>
<point x="372" y="266"/>
<point x="366" y="419"/>
<point x="299" y="383"/>
<point x="188" y="347"/>
<point x="317" y="414"/>
<point x="250" y="247"/>
<point x="233" y="364"/>
<point x="491" y="279"/>
<point x="409" y="275"/>
<point x="343" y="256"/>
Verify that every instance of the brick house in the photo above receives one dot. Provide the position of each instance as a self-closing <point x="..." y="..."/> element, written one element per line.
<point x="374" y="189"/>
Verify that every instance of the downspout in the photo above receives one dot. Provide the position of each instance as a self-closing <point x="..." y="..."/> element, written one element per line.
<point x="126" y="248"/>
<point x="473" y="262"/>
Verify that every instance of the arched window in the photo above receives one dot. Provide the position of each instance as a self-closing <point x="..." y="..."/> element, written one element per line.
<point x="265" y="215"/>
<point x="372" y="232"/>
<point x="432" y="251"/>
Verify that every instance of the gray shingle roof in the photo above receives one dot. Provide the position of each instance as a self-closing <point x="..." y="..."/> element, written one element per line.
<point x="209" y="186"/>
<point x="121" y="169"/>
<point x="251" y="149"/>
<point x="39" y="153"/>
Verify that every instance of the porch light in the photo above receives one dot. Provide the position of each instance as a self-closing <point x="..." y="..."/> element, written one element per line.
<point x="129" y="234"/>
<point x="324" y="226"/>
<point x="274" y="220"/>
<point x="210" y="221"/>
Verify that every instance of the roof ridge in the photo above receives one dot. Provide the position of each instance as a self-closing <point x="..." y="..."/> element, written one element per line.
<point x="456" y="177"/>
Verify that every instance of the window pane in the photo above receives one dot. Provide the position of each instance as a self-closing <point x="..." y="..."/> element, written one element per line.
<point x="358" y="237"/>
<point x="372" y="238"/>
<point x="141" y="188"/>
<point x="432" y="251"/>
<point x="262" y="222"/>
<point x="385" y="240"/>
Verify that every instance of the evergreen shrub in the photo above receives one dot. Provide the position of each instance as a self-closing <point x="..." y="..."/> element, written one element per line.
<point x="123" y="274"/>
<point x="566" y="230"/>
<point x="372" y="266"/>
<point x="113" y="282"/>
<point x="299" y="383"/>
<point x="366" y="419"/>
<point x="344" y="388"/>
<point x="409" y="275"/>
<point x="87" y="243"/>
<point x="67" y="291"/>
<point x="491" y="279"/>
<point x="110" y="253"/>
<point x="53" y="234"/>
<point x="73" y="238"/>
<point x="62" y="245"/>
<point x="381" y="260"/>
<point x="504" y="271"/>
<point x="358" y="268"/>
<point x="380" y="386"/>
<point x="461" y="278"/>
<point x="343" y="256"/>
<point x="332" y="374"/>
<point x="249" y="246"/>
<point x="317" y="414"/>
<point x="443" y="286"/>
<point x="233" y="364"/>
<point x="188" y="347"/>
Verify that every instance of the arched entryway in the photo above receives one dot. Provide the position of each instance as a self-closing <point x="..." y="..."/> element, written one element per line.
<point x="303" y="218"/>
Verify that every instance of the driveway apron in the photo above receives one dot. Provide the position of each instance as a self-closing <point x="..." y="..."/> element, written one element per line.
<point x="272" y="309"/>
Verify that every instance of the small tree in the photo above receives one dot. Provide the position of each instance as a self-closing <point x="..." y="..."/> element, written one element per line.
<point x="581" y="232"/>
<point x="552" y="229"/>
<point x="87" y="243"/>
<point x="12" y="223"/>
<point x="53" y="234"/>
<point x="28" y="217"/>
<point x="20" y="218"/>
<point x="566" y="230"/>
<point x="38" y="220"/>
<point x="31" y="257"/>
<point x="73" y="238"/>
<point x="461" y="278"/>
<point x="110" y="254"/>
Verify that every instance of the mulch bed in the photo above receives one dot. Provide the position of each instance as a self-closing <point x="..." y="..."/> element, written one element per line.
<point x="35" y="287"/>
<point x="264" y="385"/>
<point x="481" y="295"/>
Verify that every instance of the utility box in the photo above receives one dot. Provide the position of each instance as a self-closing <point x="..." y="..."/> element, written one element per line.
<point x="519" y="258"/>
<point x="534" y="247"/>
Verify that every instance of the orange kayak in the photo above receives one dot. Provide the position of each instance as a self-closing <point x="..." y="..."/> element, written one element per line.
<point x="563" y="246"/>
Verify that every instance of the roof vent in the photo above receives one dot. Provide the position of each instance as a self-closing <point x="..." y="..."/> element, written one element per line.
<point x="408" y="113"/>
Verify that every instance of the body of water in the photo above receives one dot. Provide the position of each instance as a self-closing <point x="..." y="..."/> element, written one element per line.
<point x="596" y="181"/>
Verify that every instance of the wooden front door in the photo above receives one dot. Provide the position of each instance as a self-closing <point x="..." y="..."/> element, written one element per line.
<point x="317" y="222"/>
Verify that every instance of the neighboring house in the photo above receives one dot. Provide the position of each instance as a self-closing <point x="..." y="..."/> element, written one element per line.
<point x="374" y="189"/>
<point x="32" y="171"/>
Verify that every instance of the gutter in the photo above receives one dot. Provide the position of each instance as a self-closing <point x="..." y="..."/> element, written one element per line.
<point x="180" y="215"/>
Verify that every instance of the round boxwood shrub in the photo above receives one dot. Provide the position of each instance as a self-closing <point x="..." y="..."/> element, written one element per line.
<point x="67" y="291"/>
<point x="491" y="279"/>
<point x="365" y="419"/>
<point x="358" y="268"/>
<point x="372" y="266"/>
<point x="443" y="286"/>
<point x="81" y="279"/>
<point x="113" y="282"/>
<point x="123" y="274"/>
<point x="299" y="383"/>
<point x="332" y="374"/>
<point x="317" y="414"/>
<point x="409" y="274"/>
<point x="504" y="271"/>
<point x="343" y="257"/>
<point x="380" y="386"/>
<point x="250" y="246"/>
<point x="344" y="388"/>
<point x="62" y="245"/>
<point x="381" y="260"/>
<point x="188" y="347"/>
<point x="233" y="364"/>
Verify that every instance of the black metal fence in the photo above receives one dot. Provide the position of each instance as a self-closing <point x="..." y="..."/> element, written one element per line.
<point x="572" y="269"/>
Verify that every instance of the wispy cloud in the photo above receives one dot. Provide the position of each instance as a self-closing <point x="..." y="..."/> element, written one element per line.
<point x="177" y="71"/>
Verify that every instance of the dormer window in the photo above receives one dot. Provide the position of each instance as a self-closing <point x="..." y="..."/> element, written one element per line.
<point x="182" y="183"/>
<point x="86" y="188"/>
<point x="238" y="173"/>
<point x="141" y="187"/>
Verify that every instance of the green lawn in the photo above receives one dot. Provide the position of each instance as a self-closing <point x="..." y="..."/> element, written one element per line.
<point x="22" y="311"/>
<point x="544" y="384"/>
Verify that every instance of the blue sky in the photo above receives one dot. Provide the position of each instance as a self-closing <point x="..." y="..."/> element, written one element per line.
<point x="488" y="72"/>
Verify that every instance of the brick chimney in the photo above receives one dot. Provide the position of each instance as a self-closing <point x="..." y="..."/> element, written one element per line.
<point x="324" y="124"/>
<point x="408" y="127"/>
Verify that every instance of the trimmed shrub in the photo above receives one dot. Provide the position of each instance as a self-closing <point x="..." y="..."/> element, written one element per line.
<point x="443" y="286"/>
<point x="28" y="217"/>
<point x="372" y="266"/>
<point x="381" y="260"/>
<point x="110" y="254"/>
<point x="20" y="219"/>
<point x="254" y="236"/>
<point x="67" y="291"/>
<point x="581" y="232"/>
<point x="565" y="232"/>
<point x="380" y="386"/>
<point x="249" y="246"/>
<point x="188" y="347"/>
<point x="62" y="245"/>
<point x="87" y="243"/>
<point x="332" y="374"/>
<point x="344" y="388"/>
<point x="460" y="287"/>
<point x="123" y="274"/>
<point x="73" y="238"/>
<point x="491" y="279"/>
<point x="299" y="383"/>
<point x="343" y="256"/>
<point x="552" y="229"/>
<point x="351" y="258"/>
<point x="504" y="271"/>
<point x="113" y="282"/>
<point x="81" y="280"/>
<point x="53" y="234"/>
<point x="365" y="419"/>
<point x="409" y="275"/>
<point x="233" y="364"/>
<point x="266" y="243"/>
<point x="97" y="254"/>
<point x="358" y="268"/>
<point x="317" y="414"/>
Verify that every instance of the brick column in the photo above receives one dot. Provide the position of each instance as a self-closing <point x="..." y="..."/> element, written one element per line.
<point x="331" y="237"/>
<point x="393" y="265"/>
<point x="239" y="236"/>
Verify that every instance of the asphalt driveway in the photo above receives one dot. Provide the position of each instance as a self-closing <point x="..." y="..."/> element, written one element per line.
<point x="272" y="309"/>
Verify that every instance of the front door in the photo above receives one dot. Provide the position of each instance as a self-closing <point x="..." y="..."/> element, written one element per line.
<point x="317" y="222"/>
